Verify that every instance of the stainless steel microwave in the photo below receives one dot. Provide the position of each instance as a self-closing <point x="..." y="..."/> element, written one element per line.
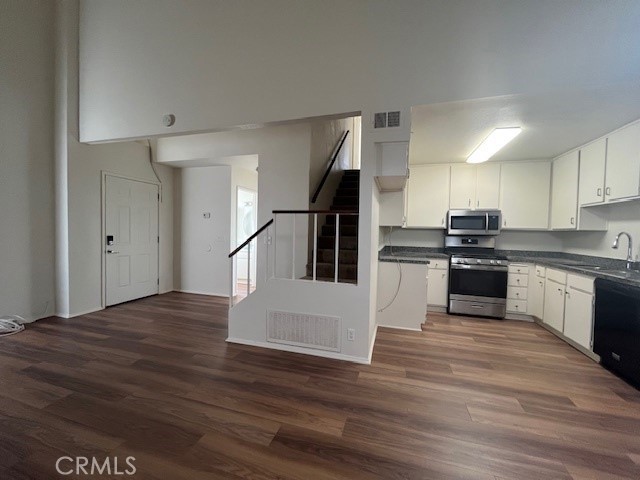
<point x="474" y="222"/>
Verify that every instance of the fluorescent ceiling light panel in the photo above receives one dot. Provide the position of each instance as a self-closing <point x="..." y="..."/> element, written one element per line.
<point x="494" y="142"/>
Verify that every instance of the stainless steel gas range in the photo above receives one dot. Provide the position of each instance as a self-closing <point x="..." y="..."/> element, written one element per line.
<point x="477" y="277"/>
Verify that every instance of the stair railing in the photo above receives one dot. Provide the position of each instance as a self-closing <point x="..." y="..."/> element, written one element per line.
<point x="314" y="198"/>
<point x="275" y="236"/>
<point x="336" y="260"/>
<point x="232" y="256"/>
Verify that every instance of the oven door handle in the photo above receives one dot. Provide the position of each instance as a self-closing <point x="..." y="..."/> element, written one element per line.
<point x="487" y="268"/>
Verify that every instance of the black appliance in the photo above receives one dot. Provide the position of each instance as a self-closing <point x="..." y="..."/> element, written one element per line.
<point x="616" y="336"/>
<point x="474" y="222"/>
<point x="477" y="277"/>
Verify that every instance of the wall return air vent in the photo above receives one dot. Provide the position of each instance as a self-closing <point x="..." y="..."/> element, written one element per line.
<point x="304" y="330"/>
<point x="386" y="119"/>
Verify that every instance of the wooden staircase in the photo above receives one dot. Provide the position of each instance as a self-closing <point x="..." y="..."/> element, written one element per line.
<point x="346" y="199"/>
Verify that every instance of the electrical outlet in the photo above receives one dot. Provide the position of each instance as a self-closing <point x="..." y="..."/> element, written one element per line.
<point x="351" y="334"/>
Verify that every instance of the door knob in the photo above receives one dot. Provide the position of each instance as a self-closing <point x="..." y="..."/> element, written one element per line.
<point x="112" y="252"/>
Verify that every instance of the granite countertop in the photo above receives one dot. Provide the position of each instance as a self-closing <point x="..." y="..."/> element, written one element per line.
<point x="599" y="267"/>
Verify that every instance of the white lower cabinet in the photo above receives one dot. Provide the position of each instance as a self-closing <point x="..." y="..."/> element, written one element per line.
<point x="409" y="308"/>
<point x="438" y="282"/>
<point x="517" y="291"/>
<point x="536" y="293"/>
<point x="564" y="301"/>
<point x="553" y="314"/>
<point x="578" y="310"/>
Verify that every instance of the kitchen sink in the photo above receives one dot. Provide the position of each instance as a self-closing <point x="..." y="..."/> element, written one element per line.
<point x="634" y="274"/>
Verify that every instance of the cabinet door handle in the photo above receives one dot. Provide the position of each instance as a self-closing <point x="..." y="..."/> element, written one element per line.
<point x="443" y="222"/>
<point x="607" y="191"/>
<point x="540" y="283"/>
<point x="599" y="193"/>
<point x="469" y="202"/>
<point x="572" y="220"/>
<point x="560" y="290"/>
<point x="478" y="204"/>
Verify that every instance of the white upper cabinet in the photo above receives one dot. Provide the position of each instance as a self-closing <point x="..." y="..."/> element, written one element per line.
<point x="566" y="214"/>
<point x="428" y="196"/>
<point x="488" y="186"/>
<point x="593" y="159"/>
<point x="623" y="164"/>
<point x="475" y="186"/>
<point x="564" y="193"/>
<point x="392" y="165"/>
<point x="392" y="209"/>
<point x="524" y="195"/>
<point x="463" y="186"/>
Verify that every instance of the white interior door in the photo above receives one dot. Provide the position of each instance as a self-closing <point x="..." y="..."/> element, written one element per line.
<point x="131" y="220"/>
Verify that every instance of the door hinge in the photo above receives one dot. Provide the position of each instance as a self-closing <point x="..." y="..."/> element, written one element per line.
<point x="158" y="238"/>
<point x="158" y="281"/>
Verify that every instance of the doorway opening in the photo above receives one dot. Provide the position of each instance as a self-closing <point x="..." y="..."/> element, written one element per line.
<point x="246" y="225"/>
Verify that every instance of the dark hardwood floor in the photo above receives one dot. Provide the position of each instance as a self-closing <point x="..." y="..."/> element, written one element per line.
<point x="154" y="379"/>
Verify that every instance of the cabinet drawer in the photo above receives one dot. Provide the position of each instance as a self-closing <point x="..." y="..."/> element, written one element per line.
<point x="557" y="276"/>
<point x="517" y="293"/>
<point x="518" y="268"/>
<point x="517" y="306"/>
<point x="518" y="280"/>
<point x="579" y="282"/>
<point x="540" y="271"/>
<point x="438" y="263"/>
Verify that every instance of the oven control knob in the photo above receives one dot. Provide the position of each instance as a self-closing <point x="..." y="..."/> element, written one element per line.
<point x="499" y="262"/>
<point x="493" y="262"/>
<point x="478" y="261"/>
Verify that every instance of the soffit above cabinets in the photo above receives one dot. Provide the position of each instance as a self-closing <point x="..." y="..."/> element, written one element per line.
<point x="552" y="122"/>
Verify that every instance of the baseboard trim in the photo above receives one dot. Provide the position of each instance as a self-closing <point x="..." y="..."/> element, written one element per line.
<point x="399" y="328"/>
<point x="519" y="317"/>
<point x="79" y="314"/>
<point x="304" y="351"/>
<point x="208" y="294"/>
<point x="373" y="343"/>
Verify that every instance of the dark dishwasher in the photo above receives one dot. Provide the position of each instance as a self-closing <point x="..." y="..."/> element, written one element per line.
<point x="616" y="337"/>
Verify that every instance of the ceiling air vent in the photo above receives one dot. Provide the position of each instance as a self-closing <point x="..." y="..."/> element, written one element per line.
<point x="380" y="120"/>
<point x="393" y="119"/>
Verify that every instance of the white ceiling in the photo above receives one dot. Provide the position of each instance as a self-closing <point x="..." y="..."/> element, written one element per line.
<point x="552" y="123"/>
<point x="249" y="162"/>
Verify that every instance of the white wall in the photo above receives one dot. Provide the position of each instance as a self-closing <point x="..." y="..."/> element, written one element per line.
<point x="622" y="217"/>
<point x="256" y="64"/>
<point x="79" y="170"/>
<point x="204" y="243"/>
<point x="283" y="179"/>
<point x="86" y="164"/>
<point x="26" y="159"/>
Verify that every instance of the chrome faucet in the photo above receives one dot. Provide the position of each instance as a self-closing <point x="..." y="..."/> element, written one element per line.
<point x="629" y="251"/>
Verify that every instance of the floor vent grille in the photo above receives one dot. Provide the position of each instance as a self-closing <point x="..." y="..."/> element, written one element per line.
<point x="304" y="330"/>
